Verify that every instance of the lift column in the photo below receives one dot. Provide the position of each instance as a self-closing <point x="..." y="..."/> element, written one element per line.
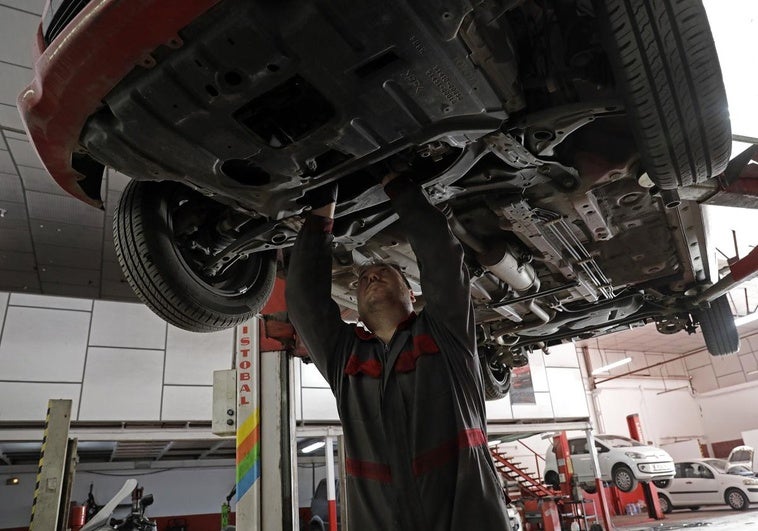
<point x="266" y="497"/>
<point x="648" y="489"/>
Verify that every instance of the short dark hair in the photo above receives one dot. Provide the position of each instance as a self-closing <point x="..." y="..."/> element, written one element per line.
<point x="373" y="263"/>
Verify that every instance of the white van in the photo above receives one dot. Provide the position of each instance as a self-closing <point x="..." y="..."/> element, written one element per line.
<point x="622" y="460"/>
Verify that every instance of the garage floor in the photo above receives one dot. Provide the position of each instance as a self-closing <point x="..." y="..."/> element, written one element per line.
<point x="723" y="519"/>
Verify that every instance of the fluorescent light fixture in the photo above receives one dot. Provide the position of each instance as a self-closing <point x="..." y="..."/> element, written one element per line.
<point x="312" y="447"/>
<point x="745" y="319"/>
<point x="494" y="443"/>
<point x="606" y="368"/>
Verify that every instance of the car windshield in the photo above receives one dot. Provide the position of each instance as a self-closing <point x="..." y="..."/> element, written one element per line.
<point x="617" y="441"/>
<point x="719" y="464"/>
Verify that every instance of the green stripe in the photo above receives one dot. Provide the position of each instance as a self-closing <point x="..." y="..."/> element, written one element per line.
<point x="249" y="461"/>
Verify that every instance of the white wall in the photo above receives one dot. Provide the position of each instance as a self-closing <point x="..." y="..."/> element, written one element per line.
<point x="116" y="361"/>
<point x="728" y="412"/>
<point x="666" y="415"/>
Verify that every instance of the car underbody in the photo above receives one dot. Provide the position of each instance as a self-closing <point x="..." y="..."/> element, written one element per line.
<point x="509" y="113"/>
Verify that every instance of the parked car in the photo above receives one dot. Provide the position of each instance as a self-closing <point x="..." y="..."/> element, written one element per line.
<point x="563" y="153"/>
<point x="708" y="482"/>
<point x="623" y="462"/>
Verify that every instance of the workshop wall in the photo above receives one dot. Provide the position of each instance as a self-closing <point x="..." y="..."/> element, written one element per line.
<point x="115" y="361"/>
<point x="728" y="412"/>
<point x="667" y="411"/>
<point x="118" y="361"/>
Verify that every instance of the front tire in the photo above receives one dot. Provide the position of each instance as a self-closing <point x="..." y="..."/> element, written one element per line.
<point x="719" y="331"/>
<point x="623" y="478"/>
<point x="736" y="499"/>
<point x="665" y="61"/>
<point x="167" y="276"/>
<point x="664" y="503"/>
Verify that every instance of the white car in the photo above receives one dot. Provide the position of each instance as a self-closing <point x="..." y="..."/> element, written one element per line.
<point x="708" y="482"/>
<point x="623" y="461"/>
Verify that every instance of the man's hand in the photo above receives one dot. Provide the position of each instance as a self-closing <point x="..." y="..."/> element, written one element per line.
<point x="322" y="200"/>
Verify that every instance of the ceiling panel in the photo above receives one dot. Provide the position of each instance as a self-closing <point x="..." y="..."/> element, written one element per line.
<point x="9" y="117"/>
<point x="47" y="232"/>
<point x="6" y="162"/>
<point x="13" y="215"/>
<point x="65" y="209"/>
<point x="30" y="6"/>
<point x="10" y="188"/>
<point x="20" y="281"/>
<point x="71" y="290"/>
<point x="16" y="261"/>
<point x="39" y="180"/>
<point x="15" y="240"/>
<point x="54" y="255"/>
<point x="70" y="275"/>
<point x="13" y="79"/>
<point x="18" y="29"/>
<point x="23" y="153"/>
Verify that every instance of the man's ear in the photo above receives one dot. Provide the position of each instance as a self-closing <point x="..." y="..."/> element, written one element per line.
<point x="413" y="297"/>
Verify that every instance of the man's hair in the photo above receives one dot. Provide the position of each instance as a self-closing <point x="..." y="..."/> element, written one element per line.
<point x="373" y="263"/>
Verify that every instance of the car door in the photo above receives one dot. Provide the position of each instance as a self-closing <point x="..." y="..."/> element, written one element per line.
<point x="683" y="487"/>
<point x="705" y="485"/>
<point x="581" y="459"/>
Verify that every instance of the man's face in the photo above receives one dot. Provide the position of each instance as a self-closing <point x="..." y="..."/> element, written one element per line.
<point x="381" y="284"/>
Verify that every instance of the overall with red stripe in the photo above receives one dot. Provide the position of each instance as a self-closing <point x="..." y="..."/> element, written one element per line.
<point x="412" y="410"/>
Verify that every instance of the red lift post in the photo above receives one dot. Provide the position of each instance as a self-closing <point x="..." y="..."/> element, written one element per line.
<point x="651" y="493"/>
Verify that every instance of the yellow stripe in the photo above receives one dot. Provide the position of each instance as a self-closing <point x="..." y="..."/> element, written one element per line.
<point x="247" y="427"/>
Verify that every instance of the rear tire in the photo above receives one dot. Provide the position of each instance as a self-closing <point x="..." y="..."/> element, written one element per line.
<point x="552" y="479"/>
<point x="162" y="272"/>
<point x="496" y="375"/>
<point x="665" y="62"/>
<point x="719" y="331"/>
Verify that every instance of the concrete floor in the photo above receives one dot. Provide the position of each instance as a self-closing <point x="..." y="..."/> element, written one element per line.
<point x="721" y="519"/>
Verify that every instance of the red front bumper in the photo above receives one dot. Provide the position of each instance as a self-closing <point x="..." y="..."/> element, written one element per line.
<point x="96" y="51"/>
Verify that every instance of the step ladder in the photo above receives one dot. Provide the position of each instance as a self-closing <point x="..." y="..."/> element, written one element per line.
<point x="527" y="484"/>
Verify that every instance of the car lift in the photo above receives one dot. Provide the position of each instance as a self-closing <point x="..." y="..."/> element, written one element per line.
<point x="253" y="403"/>
<point x="55" y="474"/>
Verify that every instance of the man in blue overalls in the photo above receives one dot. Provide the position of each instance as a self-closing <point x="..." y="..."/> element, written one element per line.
<point x="408" y="387"/>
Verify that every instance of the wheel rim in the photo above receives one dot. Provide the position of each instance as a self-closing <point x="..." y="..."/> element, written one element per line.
<point x="736" y="500"/>
<point x="623" y="480"/>
<point x="236" y="278"/>
<point x="664" y="503"/>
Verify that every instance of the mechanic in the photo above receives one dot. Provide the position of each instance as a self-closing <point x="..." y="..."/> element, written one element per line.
<point x="408" y="387"/>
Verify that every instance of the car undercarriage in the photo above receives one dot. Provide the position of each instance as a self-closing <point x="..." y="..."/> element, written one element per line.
<point x="568" y="159"/>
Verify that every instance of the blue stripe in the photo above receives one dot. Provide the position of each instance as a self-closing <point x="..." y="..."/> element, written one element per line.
<point x="248" y="480"/>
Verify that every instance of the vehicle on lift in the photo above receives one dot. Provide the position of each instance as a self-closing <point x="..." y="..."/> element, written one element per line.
<point x="623" y="462"/>
<point x="569" y="158"/>
<point x="708" y="482"/>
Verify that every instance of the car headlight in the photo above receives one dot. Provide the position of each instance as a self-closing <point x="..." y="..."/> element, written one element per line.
<point x="634" y="455"/>
<point x="751" y="481"/>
